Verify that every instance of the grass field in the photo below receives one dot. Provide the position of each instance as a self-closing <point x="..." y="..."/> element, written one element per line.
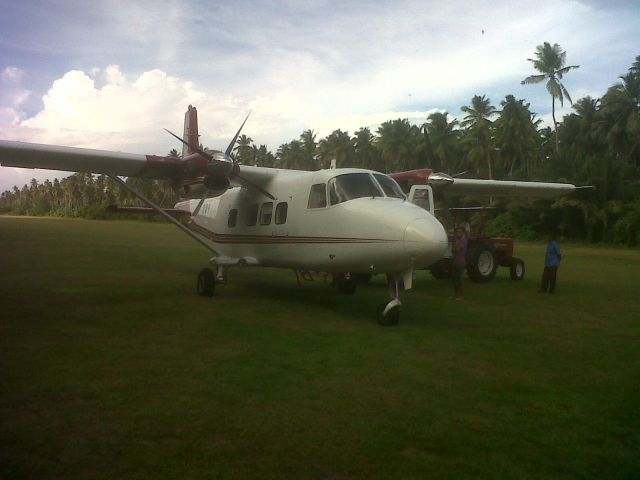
<point x="112" y="367"/>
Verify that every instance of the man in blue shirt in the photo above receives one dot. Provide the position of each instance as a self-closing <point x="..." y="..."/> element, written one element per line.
<point x="551" y="264"/>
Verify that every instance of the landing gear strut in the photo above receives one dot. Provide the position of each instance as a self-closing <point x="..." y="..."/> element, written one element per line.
<point x="388" y="314"/>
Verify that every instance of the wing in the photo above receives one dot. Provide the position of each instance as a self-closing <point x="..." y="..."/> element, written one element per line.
<point x="465" y="186"/>
<point x="444" y="183"/>
<point x="71" y="159"/>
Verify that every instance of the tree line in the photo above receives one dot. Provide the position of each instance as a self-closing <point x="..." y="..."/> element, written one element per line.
<point x="597" y="144"/>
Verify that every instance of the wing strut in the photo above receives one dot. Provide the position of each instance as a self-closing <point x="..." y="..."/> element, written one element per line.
<point x="159" y="209"/>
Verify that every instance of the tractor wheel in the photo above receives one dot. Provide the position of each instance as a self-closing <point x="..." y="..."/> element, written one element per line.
<point x="206" y="283"/>
<point x="516" y="269"/>
<point x="481" y="263"/>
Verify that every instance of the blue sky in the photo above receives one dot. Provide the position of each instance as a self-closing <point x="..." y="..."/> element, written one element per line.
<point x="112" y="74"/>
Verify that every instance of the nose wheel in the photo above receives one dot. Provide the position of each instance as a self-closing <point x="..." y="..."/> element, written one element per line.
<point x="388" y="314"/>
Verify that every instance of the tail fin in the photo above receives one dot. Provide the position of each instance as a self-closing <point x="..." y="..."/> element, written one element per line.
<point x="190" y="130"/>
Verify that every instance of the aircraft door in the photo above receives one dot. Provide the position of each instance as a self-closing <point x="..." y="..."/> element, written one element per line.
<point x="422" y="195"/>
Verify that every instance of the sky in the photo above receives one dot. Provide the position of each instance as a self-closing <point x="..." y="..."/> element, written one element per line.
<point x="111" y="74"/>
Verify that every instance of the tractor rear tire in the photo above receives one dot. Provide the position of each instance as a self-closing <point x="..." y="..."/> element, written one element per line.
<point x="481" y="263"/>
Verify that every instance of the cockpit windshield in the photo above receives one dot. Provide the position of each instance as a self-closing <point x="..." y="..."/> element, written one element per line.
<point x="352" y="185"/>
<point x="389" y="185"/>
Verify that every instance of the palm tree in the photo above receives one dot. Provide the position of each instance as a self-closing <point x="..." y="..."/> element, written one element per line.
<point x="399" y="144"/>
<point x="367" y="154"/>
<point x="308" y="139"/>
<point x="516" y="136"/>
<point x="550" y="62"/>
<point x="339" y="146"/>
<point x="442" y="141"/>
<point x="479" y="130"/>
<point x="620" y="116"/>
<point x="243" y="149"/>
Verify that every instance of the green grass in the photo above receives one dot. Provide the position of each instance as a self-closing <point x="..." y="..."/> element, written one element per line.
<point x="112" y="367"/>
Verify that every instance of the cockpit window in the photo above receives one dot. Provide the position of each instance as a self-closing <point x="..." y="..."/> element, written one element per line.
<point x="352" y="185"/>
<point x="389" y="185"/>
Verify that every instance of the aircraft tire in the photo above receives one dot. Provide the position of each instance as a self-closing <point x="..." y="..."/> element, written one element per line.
<point x="392" y="317"/>
<point x="206" y="283"/>
<point x="481" y="264"/>
<point x="346" y="284"/>
<point x="516" y="269"/>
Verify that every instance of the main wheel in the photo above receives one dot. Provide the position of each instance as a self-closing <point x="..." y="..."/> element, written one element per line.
<point x="516" y="269"/>
<point x="345" y="283"/>
<point x="481" y="263"/>
<point x="391" y="318"/>
<point x="206" y="282"/>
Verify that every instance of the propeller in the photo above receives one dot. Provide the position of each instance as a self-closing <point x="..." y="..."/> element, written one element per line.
<point x="224" y="160"/>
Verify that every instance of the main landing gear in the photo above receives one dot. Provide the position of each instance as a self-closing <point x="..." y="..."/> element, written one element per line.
<point x="388" y="314"/>
<point x="206" y="283"/>
<point x="345" y="283"/>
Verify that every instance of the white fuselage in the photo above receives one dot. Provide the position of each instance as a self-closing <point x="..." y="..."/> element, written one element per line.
<point x="369" y="234"/>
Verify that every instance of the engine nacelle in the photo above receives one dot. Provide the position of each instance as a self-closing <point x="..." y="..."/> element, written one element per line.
<point x="217" y="182"/>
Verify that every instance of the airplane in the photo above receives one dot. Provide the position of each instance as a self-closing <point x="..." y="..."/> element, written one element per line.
<point x="342" y="221"/>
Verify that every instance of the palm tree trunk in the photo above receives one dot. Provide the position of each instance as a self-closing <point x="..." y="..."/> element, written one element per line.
<point x="555" y="124"/>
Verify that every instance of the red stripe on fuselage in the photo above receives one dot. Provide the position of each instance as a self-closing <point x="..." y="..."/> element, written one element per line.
<point x="274" y="239"/>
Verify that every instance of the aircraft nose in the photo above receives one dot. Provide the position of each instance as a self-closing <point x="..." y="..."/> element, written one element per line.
<point x="425" y="241"/>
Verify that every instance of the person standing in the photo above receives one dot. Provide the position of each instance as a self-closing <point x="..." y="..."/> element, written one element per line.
<point x="551" y="264"/>
<point x="459" y="261"/>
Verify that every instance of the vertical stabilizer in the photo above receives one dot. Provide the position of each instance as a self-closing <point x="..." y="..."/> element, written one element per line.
<point x="190" y="134"/>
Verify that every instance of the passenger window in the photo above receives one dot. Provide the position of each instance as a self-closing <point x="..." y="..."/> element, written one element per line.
<point x="233" y="218"/>
<point x="318" y="196"/>
<point x="265" y="213"/>
<point x="281" y="213"/>
<point x="252" y="215"/>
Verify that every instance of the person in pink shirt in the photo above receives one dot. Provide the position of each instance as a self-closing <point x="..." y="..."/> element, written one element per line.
<point x="459" y="261"/>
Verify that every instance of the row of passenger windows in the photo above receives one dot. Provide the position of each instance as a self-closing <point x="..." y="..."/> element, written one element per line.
<point x="266" y="214"/>
<point x="353" y="185"/>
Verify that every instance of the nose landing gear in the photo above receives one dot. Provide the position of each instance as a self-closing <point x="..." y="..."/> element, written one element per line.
<point x="388" y="314"/>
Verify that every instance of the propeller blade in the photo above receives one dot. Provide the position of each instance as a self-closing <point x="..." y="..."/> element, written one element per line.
<point x="233" y="142"/>
<point x="256" y="187"/>
<point x="193" y="147"/>
<point x="204" y="197"/>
